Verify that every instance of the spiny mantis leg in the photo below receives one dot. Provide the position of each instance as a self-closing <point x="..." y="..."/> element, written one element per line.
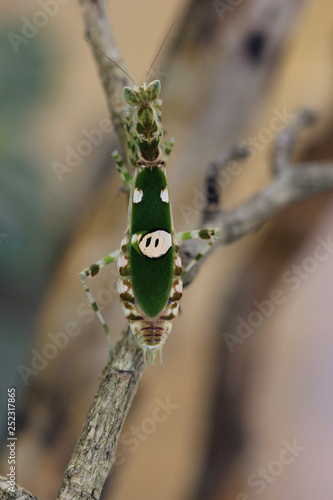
<point x="209" y="235"/>
<point x="124" y="173"/>
<point x="91" y="271"/>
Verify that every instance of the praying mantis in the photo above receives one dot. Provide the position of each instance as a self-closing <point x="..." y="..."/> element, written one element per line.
<point x="150" y="271"/>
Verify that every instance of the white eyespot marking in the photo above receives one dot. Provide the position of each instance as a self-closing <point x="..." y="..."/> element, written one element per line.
<point x="134" y="238"/>
<point x="122" y="287"/>
<point x="165" y="195"/>
<point x="137" y="195"/>
<point x="178" y="262"/>
<point x="156" y="244"/>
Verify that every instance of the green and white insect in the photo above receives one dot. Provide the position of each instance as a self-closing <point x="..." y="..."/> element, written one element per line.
<point x="149" y="267"/>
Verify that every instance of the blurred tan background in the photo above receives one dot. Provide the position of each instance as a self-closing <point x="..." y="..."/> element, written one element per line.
<point x="244" y="422"/>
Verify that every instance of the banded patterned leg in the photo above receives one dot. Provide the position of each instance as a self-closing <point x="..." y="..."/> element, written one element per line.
<point x="211" y="235"/>
<point x="131" y="139"/>
<point x="91" y="271"/>
<point x="124" y="173"/>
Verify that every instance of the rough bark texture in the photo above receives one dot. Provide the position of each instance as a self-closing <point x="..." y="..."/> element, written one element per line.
<point x="20" y="493"/>
<point x="99" y="34"/>
<point x="95" y="451"/>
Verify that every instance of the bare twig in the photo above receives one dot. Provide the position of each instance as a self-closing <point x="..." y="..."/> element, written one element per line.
<point x="285" y="141"/>
<point x="19" y="493"/>
<point x="213" y="192"/>
<point x="291" y="184"/>
<point x="95" y="451"/>
<point x="99" y="34"/>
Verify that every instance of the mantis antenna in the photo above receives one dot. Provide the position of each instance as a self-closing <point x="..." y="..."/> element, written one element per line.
<point x="114" y="62"/>
<point x="159" y="50"/>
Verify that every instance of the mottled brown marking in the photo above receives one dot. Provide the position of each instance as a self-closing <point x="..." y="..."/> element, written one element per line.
<point x="124" y="271"/>
<point x="127" y="297"/>
<point x="176" y="296"/>
<point x="178" y="271"/>
<point x="152" y="335"/>
<point x="168" y="318"/>
<point x="129" y="306"/>
<point x="134" y="317"/>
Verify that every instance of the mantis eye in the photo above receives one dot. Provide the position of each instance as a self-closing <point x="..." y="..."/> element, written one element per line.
<point x="154" y="90"/>
<point x="130" y="96"/>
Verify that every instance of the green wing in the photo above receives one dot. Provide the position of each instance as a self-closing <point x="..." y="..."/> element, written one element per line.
<point x="151" y="221"/>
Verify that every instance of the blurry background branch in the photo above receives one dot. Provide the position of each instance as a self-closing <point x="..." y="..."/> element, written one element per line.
<point x="291" y="184"/>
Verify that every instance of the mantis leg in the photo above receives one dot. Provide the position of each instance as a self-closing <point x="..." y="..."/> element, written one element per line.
<point x="124" y="173"/>
<point x="91" y="271"/>
<point x="210" y="236"/>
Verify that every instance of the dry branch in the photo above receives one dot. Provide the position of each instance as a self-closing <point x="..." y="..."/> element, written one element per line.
<point x="95" y="451"/>
<point x="291" y="184"/>
<point x="19" y="493"/>
<point x="98" y="33"/>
